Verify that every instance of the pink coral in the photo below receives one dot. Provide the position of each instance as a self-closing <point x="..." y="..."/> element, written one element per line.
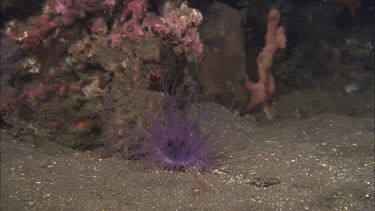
<point x="265" y="87"/>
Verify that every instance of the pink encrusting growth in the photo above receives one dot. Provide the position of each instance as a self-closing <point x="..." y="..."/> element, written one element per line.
<point x="133" y="28"/>
<point x="134" y="23"/>
<point x="34" y="93"/>
<point x="182" y="25"/>
<point x="69" y="9"/>
<point x="109" y="3"/>
<point x="179" y="25"/>
<point x="34" y="34"/>
<point x="99" y="26"/>
<point x="265" y="87"/>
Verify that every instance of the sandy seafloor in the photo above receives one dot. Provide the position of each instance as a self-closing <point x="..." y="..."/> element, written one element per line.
<point x="324" y="162"/>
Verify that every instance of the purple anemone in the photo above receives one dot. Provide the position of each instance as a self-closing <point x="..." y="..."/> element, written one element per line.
<point x="176" y="140"/>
